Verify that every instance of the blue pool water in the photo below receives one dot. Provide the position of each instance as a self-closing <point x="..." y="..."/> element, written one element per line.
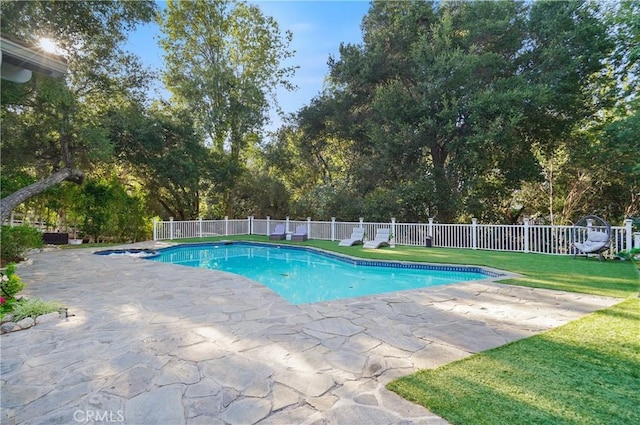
<point x="302" y="275"/>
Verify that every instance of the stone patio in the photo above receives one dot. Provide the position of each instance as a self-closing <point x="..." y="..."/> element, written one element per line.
<point x="154" y="343"/>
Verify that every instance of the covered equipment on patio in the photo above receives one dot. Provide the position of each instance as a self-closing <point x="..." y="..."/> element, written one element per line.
<point x="591" y="235"/>
<point x="356" y="237"/>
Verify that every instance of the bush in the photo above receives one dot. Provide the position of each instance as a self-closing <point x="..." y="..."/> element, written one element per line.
<point x="34" y="308"/>
<point x="631" y="254"/>
<point x="16" y="241"/>
<point x="10" y="282"/>
<point x="6" y="306"/>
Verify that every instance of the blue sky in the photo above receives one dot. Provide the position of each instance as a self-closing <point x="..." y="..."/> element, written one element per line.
<point x="318" y="28"/>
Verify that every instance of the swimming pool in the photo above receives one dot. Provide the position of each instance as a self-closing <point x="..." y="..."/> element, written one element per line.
<point x="302" y="275"/>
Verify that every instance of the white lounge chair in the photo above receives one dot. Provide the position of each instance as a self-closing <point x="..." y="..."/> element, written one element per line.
<point x="300" y="234"/>
<point x="381" y="239"/>
<point x="355" y="239"/>
<point x="278" y="233"/>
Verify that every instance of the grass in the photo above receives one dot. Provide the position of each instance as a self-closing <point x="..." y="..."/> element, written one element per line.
<point x="585" y="372"/>
<point x="609" y="278"/>
<point x="33" y="308"/>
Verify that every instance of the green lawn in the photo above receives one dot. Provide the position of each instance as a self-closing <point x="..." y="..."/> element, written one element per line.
<point x="585" y="372"/>
<point x="609" y="278"/>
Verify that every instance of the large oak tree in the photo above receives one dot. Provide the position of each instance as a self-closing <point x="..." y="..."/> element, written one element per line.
<point x="51" y="127"/>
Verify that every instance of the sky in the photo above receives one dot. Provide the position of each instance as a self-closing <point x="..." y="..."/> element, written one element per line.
<point x="318" y="28"/>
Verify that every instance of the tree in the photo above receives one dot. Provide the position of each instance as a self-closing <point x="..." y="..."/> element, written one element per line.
<point x="568" y="44"/>
<point x="50" y="125"/>
<point x="622" y="131"/>
<point x="454" y="106"/>
<point x="223" y="63"/>
<point x="160" y="147"/>
<point x="435" y="86"/>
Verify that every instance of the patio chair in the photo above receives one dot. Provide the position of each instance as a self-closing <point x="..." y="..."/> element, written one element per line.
<point x="300" y="234"/>
<point x="355" y="239"/>
<point x="381" y="239"/>
<point x="278" y="233"/>
<point x="591" y="235"/>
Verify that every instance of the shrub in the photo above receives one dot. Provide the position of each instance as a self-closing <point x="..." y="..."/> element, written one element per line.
<point x="34" y="308"/>
<point x="11" y="283"/>
<point x="6" y="306"/>
<point x="631" y="254"/>
<point x="16" y="241"/>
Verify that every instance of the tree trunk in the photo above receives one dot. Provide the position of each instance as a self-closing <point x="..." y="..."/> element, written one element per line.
<point x="16" y="198"/>
<point x="444" y="196"/>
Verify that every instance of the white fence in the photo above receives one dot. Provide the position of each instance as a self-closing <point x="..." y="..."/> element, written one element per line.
<point x="527" y="237"/>
<point x="17" y="219"/>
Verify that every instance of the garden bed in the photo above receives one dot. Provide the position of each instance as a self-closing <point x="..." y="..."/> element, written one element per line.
<point x="8" y="325"/>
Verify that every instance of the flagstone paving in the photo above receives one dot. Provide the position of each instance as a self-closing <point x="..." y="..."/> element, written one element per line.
<point x="154" y="343"/>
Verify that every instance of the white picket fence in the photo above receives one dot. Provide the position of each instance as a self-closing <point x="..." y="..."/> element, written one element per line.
<point x="527" y="237"/>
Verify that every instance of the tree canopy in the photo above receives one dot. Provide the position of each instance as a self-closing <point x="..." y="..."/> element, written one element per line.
<point x="448" y="110"/>
<point x="52" y="127"/>
<point x="224" y="64"/>
<point x="460" y="109"/>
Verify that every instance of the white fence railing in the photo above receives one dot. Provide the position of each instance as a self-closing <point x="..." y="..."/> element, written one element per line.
<point x="527" y="237"/>
<point x="18" y="219"/>
<point x="199" y="228"/>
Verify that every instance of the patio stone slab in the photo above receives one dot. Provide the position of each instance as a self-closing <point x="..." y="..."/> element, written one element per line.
<point x="335" y="326"/>
<point x="361" y="415"/>
<point x="308" y="384"/>
<point x="162" y="405"/>
<point x="207" y="387"/>
<point x="178" y="371"/>
<point x="164" y="344"/>
<point x="21" y="395"/>
<point x="299" y="415"/>
<point x="131" y="382"/>
<point x="397" y="339"/>
<point x="284" y="397"/>
<point x="238" y="373"/>
<point x="209" y="407"/>
<point x="246" y="411"/>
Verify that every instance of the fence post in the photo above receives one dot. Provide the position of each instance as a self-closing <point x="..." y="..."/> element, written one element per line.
<point x="200" y="227"/>
<point x="628" y="234"/>
<point x="474" y="233"/>
<point x="226" y="225"/>
<point x="361" y="222"/>
<point x="250" y="224"/>
<point x="393" y="230"/>
<point x="526" y="235"/>
<point x="286" y="227"/>
<point x="333" y="228"/>
<point x="268" y="226"/>
<point x="430" y="228"/>
<point x="155" y="229"/>
<point x="309" y="227"/>
<point x="171" y="228"/>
